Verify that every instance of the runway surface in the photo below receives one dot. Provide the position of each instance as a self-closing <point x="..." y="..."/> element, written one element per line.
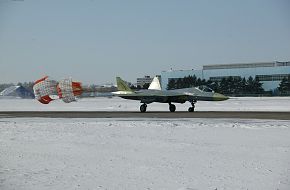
<point x="127" y="114"/>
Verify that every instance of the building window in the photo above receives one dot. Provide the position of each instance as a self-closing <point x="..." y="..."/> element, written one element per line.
<point x="145" y="80"/>
<point x="175" y="79"/>
<point x="220" y="78"/>
<point x="277" y="77"/>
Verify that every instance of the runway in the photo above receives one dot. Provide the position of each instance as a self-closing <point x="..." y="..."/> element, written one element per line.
<point x="129" y="114"/>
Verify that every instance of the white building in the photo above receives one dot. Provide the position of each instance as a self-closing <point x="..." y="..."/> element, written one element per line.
<point x="269" y="73"/>
<point x="144" y="80"/>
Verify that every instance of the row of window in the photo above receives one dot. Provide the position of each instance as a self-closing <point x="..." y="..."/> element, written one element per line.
<point x="219" y="79"/>
<point x="246" y="65"/>
<point x="277" y="77"/>
<point x="237" y="66"/>
<point x="283" y="63"/>
<point x="175" y="79"/>
<point x="145" y="80"/>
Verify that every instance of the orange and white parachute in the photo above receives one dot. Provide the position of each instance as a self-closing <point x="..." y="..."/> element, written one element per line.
<point x="44" y="89"/>
<point x="47" y="90"/>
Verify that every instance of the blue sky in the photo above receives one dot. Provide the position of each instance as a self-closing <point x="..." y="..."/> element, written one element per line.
<point x="94" y="41"/>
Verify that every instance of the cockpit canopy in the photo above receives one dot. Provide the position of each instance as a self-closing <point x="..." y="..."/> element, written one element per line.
<point x="205" y="88"/>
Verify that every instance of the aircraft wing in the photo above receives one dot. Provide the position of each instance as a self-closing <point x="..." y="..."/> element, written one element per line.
<point x="150" y="97"/>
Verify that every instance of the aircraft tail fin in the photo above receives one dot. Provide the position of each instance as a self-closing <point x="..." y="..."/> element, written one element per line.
<point x="155" y="84"/>
<point x="122" y="85"/>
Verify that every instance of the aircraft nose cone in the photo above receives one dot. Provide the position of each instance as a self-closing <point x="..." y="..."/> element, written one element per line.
<point x="219" y="97"/>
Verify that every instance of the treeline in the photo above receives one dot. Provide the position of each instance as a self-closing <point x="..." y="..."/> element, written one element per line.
<point x="284" y="86"/>
<point x="230" y="85"/>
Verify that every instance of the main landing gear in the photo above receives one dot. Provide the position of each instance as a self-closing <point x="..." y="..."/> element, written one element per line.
<point x="191" y="109"/>
<point x="143" y="107"/>
<point x="172" y="107"/>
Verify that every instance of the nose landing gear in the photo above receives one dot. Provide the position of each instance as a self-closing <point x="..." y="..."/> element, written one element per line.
<point x="172" y="107"/>
<point x="191" y="109"/>
<point x="143" y="107"/>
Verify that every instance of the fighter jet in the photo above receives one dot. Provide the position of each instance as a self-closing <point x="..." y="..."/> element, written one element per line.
<point x="155" y="94"/>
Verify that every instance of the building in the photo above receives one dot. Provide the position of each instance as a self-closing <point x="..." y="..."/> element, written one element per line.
<point x="144" y="80"/>
<point x="270" y="74"/>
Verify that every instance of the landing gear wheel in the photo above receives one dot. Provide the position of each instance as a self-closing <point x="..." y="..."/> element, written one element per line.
<point x="143" y="108"/>
<point x="172" y="108"/>
<point x="191" y="109"/>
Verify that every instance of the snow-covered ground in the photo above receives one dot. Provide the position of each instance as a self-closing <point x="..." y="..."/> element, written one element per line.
<point x="170" y="154"/>
<point x="119" y="104"/>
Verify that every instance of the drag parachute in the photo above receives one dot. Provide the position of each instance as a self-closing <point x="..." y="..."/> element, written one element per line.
<point x="68" y="90"/>
<point x="47" y="90"/>
<point x="44" y="89"/>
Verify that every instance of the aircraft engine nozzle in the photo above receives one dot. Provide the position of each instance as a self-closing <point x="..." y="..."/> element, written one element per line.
<point x="219" y="97"/>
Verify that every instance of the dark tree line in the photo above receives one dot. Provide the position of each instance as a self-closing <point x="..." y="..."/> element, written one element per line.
<point x="228" y="85"/>
<point x="284" y="86"/>
<point x="186" y="82"/>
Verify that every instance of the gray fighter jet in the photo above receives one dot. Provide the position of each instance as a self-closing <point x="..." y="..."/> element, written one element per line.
<point x="155" y="94"/>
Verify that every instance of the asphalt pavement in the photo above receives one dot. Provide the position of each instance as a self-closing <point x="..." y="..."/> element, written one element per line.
<point x="127" y="114"/>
